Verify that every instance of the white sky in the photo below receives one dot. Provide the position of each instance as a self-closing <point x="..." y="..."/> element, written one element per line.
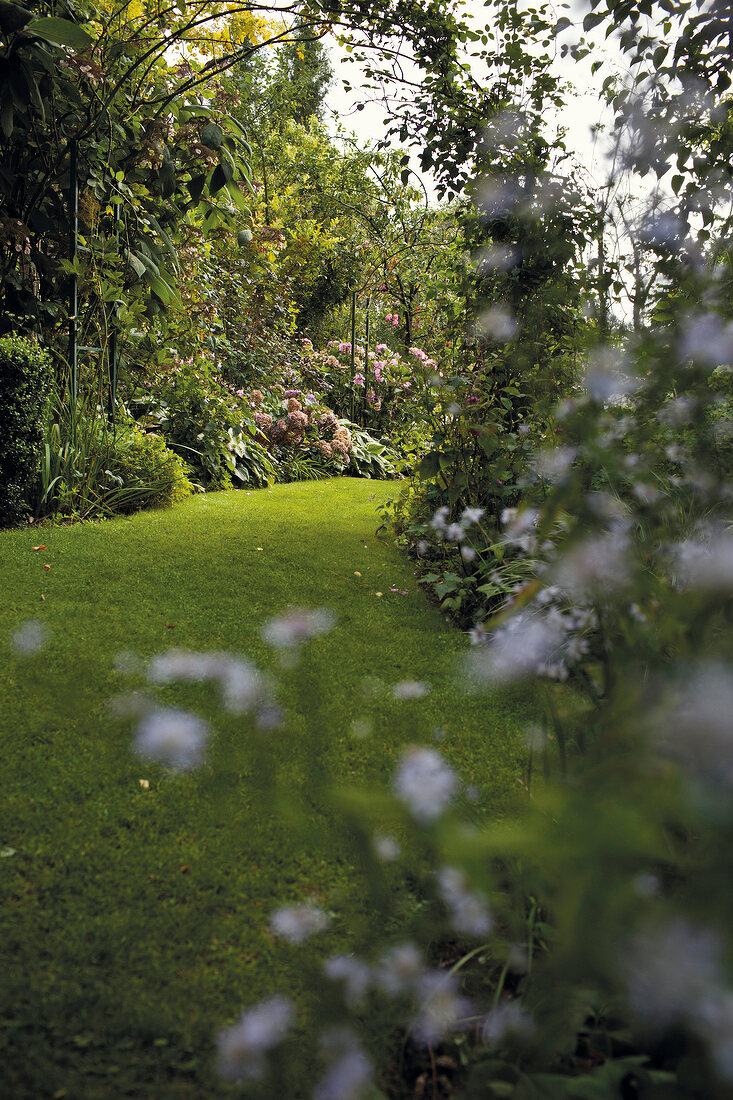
<point x="582" y="112"/>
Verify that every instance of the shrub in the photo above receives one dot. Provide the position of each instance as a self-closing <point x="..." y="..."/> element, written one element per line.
<point x="144" y="461"/>
<point x="210" y="424"/>
<point x="90" y="469"/>
<point x="25" y="387"/>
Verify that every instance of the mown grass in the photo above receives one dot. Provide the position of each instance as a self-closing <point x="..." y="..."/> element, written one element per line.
<point x="134" y="920"/>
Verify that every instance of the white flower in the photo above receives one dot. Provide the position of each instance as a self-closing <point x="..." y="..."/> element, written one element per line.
<point x="478" y="634"/>
<point x="424" y="782"/>
<point x="600" y="565"/>
<point x="297" y="626"/>
<point x="441" y="1008"/>
<point x="410" y="689"/>
<point x="468" y="553"/>
<point x="243" y="687"/>
<point x="439" y="520"/>
<point x="696" y="728"/>
<point x="295" y="923"/>
<point x="704" y="562"/>
<point x="605" y="379"/>
<point x="678" y="411"/>
<point x="527" y="644"/>
<point x="551" y="465"/>
<point x="669" y="972"/>
<point x="706" y="339"/>
<point x="712" y="1019"/>
<point x="241" y="1048"/>
<point x="399" y="969"/>
<point x="172" y="737"/>
<point x="507" y="1021"/>
<point x="127" y="663"/>
<point x="468" y="908"/>
<point x="520" y="527"/>
<point x="181" y="665"/>
<point x="350" y="1070"/>
<point x="386" y="848"/>
<point x="469" y="516"/>
<point x="354" y="973"/>
<point x="29" y="639"/>
<point x="498" y="323"/>
<point x="455" y="532"/>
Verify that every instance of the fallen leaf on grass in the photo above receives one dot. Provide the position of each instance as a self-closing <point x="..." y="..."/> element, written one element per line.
<point x="357" y="573"/>
<point x="185" y="868"/>
<point x="43" y="597"/>
<point x="41" y="547"/>
<point x="47" y="566"/>
<point x="170" y="626"/>
<point x="145" y="784"/>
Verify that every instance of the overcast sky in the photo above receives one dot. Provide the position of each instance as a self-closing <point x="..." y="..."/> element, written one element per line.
<point x="582" y="112"/>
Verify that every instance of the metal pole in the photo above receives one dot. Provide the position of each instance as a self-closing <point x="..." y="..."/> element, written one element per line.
<point x="366" y="358"/>
<point x="112" y="352"/>
<point x="74" y="288"/>
<point x="353" y="350"/>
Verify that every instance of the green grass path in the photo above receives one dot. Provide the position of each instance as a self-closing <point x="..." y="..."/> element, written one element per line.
<point x="133" y="920"/>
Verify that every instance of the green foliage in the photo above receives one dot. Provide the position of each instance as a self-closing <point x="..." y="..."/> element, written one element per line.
<point x="25" y="389"/>
<point x="139" y="152"/>
<point x="369" y="457"/>
<point x="201" y="417"/>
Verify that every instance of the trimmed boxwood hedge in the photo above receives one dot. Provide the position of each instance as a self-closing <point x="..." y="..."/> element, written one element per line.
<point x="26" y="374"/>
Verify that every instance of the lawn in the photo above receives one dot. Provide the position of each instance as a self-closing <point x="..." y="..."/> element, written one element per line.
<point x="134" y="915"/>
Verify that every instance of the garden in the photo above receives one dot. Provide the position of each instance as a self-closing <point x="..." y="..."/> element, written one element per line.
<point x="366" y="552"/>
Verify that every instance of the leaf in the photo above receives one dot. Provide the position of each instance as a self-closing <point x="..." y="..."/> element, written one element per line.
<point x="235" y="193"/>
<point x="195" y="186"/>
<point x="592" y="20"/>
<point x="212" y="136"/>
<point x="13" y="17"/>
<point x="135" y="263"/>
<point x="219" y="178"/>
<point x="160" y="288"/>
<point x="61" y="32"/>
<point x="6" y="115"/>
<point x="429" y="466"/>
